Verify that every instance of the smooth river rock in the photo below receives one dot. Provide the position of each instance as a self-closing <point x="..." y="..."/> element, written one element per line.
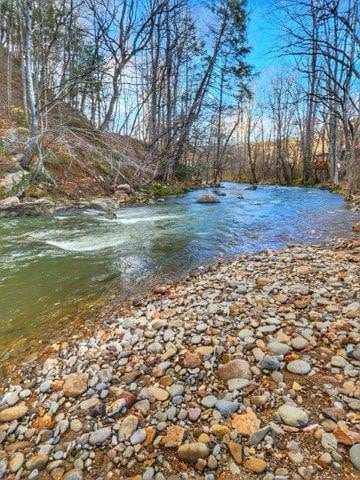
<point x="74" y="474"/>
<point x="225" y="407"/>
<point x="75" y="384"/>
<point x="16" y="462"/>
<point x="208" y="198"/>
<point x="128" y="426"/>
<point x="354" y="454"/>
<point x="293" y="416"/>
<point x="192" y="452"/>
<point x="37" y="462"/>
<point x="300" y="367"/>
<point x="234" y="369"/>
<point x="100" y="436"/>
<point x="13" y="413"/>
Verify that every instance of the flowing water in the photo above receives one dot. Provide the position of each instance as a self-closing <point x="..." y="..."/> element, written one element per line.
<point x="50" y="266"/>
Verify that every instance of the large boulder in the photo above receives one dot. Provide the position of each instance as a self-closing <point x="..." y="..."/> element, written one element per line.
<point x="9" y="202"/>
<point x="208" y="198"/>
<point x="103" y="204"/>
<point x="219" y="193"/>
<point x="124" y="187"/>
<point x="10" y="207"/>
<point x="13" y="183"/>
<point x="356" y="227"/>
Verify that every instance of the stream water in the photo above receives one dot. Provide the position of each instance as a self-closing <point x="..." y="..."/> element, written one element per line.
<point x="50" y="266"/>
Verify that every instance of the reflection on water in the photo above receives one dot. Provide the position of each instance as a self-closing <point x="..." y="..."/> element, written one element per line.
<point x="49" y="265"/>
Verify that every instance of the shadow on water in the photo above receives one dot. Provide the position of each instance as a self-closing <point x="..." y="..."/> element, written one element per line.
<point x="51" y="267"/>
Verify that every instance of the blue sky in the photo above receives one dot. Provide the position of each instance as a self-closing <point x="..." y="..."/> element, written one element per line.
<point x="264" y="39"/>
<point x="261" y="33"/>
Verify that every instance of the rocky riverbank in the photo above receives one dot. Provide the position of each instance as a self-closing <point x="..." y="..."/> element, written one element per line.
<point x="249" y="369"/>
<point x="24" y="206"/>
<point x="13" y="206"/>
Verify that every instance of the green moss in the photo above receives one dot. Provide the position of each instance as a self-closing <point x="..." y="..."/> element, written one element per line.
<point x="334" y="188"/>
<point x="159" y="190"/>
<point x="35" y="191"/>
<point x="48" y="157"/>
<point x="297" y="182"/>
<point x="19" y="115"/>
<point x="14" y="140"/>
<point x="101" y="165"/>
<point x="42" y="176"/>
<point x="4" y="152"/>
<point x="3" y="193"/>
<point x="21" y="186"/>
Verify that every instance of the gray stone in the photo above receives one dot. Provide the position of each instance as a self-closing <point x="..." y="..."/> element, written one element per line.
<point x="25" y="393"/>
<point x="259" y="435"/>
<point x="149" y="473"/>
<point x="127" y="427"/>
<point x="89" y="403"/>
<point x="354" y="454"/>
<point x="11" y="398"/>
<point x="209" y="401"/>
<point x="194" y="413"/>
<point x="356" y="352"/>
<point x="3" y="468"/>
<point x="299" y="367"/>
<point x="33" y="474"/>
<point x="328" y="441"/>
<point x="176" y="389"/>
<point x="298" y="343"/>
<point x="278" y="348"/>
<point x="296" y="457"/>
<point x="237" y="383"/>
<point x="270" y="363"/>
<point x="326" y="458"/>
<point x="45" y="386"/>
<point x="138" y="437"/>
<point x="75" y="474"/>
<point x="76" y="425"/>
<point x="225" y="407"/>
<point x="293" y="416"/>
<point x="338" y="361"/>
<point x="143" y="406"/>
<point x="98" y="437"/>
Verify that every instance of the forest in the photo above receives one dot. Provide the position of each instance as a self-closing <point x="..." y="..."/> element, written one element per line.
<point x="179" y="240"/>
<point x="174" y="77"/>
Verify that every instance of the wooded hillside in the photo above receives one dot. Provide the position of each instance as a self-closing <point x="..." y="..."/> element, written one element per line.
<point x="169" y="80"/>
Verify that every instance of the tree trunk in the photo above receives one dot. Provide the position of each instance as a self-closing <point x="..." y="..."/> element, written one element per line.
<point x="27" y="59"/>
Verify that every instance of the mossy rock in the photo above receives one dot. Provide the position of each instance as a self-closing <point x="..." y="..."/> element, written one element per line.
<point x="159" y="190"/>
<point x="14" y="140"/>
<point x="20" y="186"/>
<point x="14" y="183"/>
<point x="35" y="191"/>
